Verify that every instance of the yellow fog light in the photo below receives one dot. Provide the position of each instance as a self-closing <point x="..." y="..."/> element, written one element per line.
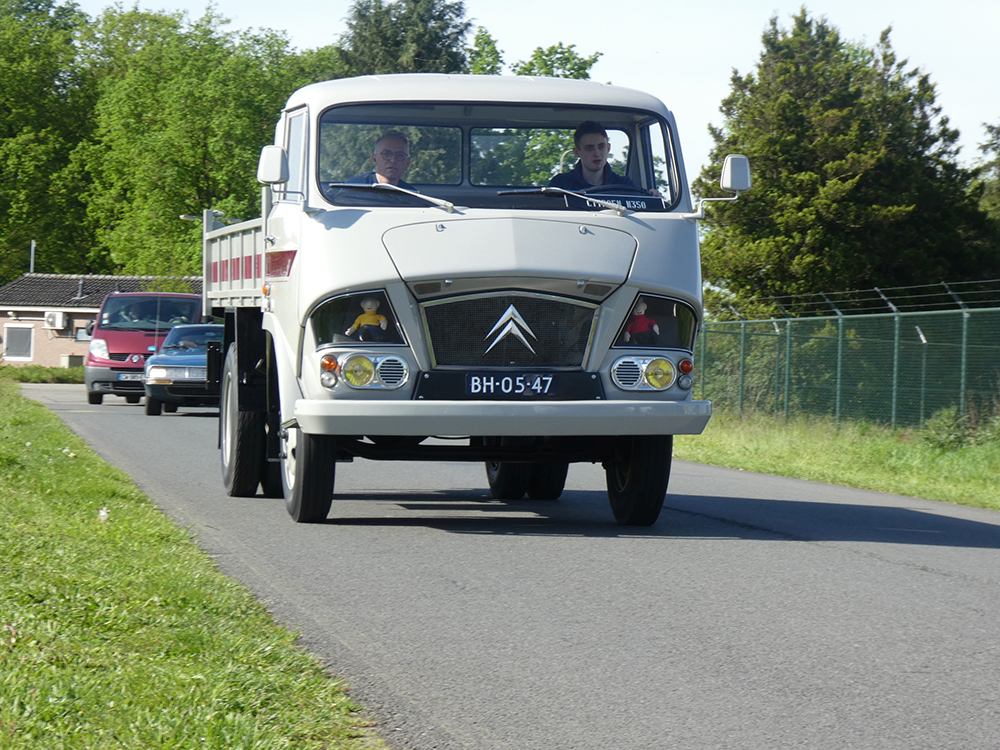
<point x="660" y="373"/>
<point x="358" y="370"/>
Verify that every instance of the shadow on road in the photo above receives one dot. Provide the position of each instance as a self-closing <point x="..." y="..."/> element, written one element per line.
<point x="586" y="514"/>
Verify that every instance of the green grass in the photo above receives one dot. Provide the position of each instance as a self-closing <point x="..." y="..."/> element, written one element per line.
<point x="856" y="454"/>
<point x="39" y="374"/>
<point x="116" y="631"/>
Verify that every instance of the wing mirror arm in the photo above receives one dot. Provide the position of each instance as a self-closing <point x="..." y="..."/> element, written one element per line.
<point x="735" y="179"/>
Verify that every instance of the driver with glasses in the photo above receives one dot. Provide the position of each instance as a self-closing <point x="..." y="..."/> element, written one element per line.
<point x="391" y="157"/>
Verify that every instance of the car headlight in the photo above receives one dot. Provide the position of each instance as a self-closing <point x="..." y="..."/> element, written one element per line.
<point x="99" y="348"/>
<point x="358" y="370"/>
<point x="364" y="371"/>
<point x="643" y="373"/>
<point x="161" y="374"/>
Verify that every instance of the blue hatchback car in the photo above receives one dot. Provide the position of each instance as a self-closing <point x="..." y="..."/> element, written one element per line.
<point x="176" y="374"/>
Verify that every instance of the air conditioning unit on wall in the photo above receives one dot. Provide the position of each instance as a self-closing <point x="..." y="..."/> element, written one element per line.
<point x="55" y="319"/>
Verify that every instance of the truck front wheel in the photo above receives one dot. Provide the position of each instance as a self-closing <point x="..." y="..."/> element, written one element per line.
<point x="637" y="477"/>
<point x="241" y="435"/>
<point x="308" y="472"/>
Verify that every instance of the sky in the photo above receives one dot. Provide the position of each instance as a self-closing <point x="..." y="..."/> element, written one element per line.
<point x="684" y="53"/>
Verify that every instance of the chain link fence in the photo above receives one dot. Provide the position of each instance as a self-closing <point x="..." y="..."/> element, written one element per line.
<point x="896" y="368"/>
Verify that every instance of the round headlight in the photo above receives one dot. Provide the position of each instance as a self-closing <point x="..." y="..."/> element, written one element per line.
<point x="358" y="370"/>
<point x="660" y="373"/>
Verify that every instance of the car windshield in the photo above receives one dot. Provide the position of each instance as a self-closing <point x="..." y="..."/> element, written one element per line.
<point x="487" y="155"/>
<point x="148" y="313"/>
<point x="192" y="338"/>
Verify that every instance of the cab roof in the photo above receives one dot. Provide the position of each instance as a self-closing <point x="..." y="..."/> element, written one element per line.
<point x="439" y="87"/>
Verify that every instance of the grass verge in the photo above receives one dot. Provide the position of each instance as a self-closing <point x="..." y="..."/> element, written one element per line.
<point x="39" y="374"/>
<point x="116" y="631"/>
<point x="855" y="454"/>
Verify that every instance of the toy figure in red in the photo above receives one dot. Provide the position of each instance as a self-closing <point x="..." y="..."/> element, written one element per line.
<point x="370" y="325"/>
<point x="641" y="330"/>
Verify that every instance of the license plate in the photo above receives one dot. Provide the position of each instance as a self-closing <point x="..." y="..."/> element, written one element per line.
<point x="444" y="385"/>
<point x="492" y="385"/>
<point x="130" y="376"/>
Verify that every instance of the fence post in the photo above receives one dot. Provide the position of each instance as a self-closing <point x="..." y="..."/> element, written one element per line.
<point x="777" y="363"/>
<point x="743" y="362"/>
<point x="840" y="358"/>
<point x="788" y="364"/>
<point x="965" y="341"/>
<point x="895" y="356"/>
<point x="923" y="372"/>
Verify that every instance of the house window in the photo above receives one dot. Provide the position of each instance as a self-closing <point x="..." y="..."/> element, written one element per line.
<point x="82" y="334"/>
<point x="17" y="342"/>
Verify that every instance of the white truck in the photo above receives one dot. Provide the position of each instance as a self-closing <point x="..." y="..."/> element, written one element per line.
<point x="471" y="312"/>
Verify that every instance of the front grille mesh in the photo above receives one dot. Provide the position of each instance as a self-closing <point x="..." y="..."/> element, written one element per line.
<point x="510" y="329"/>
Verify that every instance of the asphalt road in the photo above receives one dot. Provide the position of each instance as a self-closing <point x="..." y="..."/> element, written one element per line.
<point x="759" y="612"/>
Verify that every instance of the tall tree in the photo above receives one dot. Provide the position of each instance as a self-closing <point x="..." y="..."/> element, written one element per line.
<point x="406" y="36"/>
<point x="183" y="113"/>
<point x="485" y="59"/>
<point x="557" y="61"/>
<point x="45" y="103"/>
<point x="856" y="181"/>
<point x="990" y="202"/>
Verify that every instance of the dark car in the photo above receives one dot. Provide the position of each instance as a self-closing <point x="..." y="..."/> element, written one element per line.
<point x="175" y="375"/>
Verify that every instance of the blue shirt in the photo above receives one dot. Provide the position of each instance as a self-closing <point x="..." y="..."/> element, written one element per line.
<point x="574" y="179"/>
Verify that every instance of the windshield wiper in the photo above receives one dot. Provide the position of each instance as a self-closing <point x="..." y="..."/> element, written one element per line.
<point x="446" y="205"/>
<point x="618" y="209"/>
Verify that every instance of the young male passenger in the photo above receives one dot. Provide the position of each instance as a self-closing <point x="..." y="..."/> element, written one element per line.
<point x="591" y="147"/>
<point x="391" y="157"/>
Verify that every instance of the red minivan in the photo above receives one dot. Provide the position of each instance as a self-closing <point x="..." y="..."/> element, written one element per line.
<point x="129" y="328"/>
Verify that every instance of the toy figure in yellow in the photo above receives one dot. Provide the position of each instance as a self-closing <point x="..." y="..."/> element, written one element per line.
<point x="370" y="325"/>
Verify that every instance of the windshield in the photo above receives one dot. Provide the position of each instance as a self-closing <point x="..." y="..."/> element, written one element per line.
<point x="491" y="155"/>
<point x="192" y="338"/>
<point x="148" y="312"/>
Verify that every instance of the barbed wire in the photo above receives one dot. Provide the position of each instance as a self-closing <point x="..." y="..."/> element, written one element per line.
<point x="942" y="296"/>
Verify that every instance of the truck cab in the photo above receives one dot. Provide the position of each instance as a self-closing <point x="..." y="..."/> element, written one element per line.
<point x="485" y="307"/>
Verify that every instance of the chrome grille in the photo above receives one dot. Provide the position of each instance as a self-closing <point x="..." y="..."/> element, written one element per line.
<point x="391" y="371"/>
<point x="626" y="373"/>
<point x="509" y="329"/>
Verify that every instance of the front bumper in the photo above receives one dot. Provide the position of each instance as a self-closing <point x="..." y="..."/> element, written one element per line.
<point x="493" y="418"/>
<point x="106" y="380"/>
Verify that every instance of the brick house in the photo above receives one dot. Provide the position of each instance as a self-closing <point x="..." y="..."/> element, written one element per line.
<point x="45" y="317"/>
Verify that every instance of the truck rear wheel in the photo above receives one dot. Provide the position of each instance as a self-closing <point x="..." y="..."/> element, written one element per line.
<point x="508" y="481"/>
<point x="241" y="435"/>
<point x="637" y="478"/>
<point x="546" y="481"/>
<point x="308" y="473"/>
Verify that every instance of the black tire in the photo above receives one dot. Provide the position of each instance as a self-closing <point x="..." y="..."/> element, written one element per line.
<point x="170" y="408"/>
<point x="95" y="399"/>
<point x="134" y="399"/>
<point x="507" y="481"/>
<point x="153" y="406"/>
<point x="308" y="473"/>
<point x="637" y="478"/>
<point x="546" y="481"/>
<point x="241" y="435"/>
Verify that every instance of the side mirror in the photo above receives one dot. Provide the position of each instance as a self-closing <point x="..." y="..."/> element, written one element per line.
<point x="272" y="169"/>
<point x="735" y="174"/>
